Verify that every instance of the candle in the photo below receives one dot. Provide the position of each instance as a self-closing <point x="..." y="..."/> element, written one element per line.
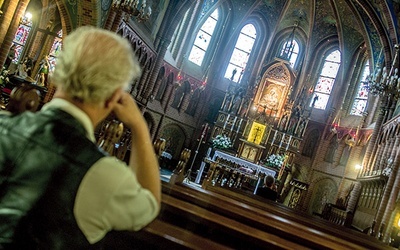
<point x="227" y="118"/>
<point x="273" y="139"/>
<point x="233" y="123"/>
<point x="241" y="120"/>
<point x="287" y="146"/>
<point x="280" y="143"/>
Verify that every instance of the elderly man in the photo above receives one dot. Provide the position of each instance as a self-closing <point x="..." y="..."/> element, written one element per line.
<point x="58" y="189"/>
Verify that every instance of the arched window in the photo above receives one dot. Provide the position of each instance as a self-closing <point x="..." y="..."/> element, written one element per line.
<point x="21" y="36"/>
<point x="203" y="38"/>
<point x="55" y="50"/>
<point x="295" y="51"/>
<point x="360" y="99"/>
<point x="326" y="80"/>
<point x="241" y="53"/>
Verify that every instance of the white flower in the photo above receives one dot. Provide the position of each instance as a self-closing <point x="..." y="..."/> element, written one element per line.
<point x="222" y="142"/>
<point x="275" y="160"/>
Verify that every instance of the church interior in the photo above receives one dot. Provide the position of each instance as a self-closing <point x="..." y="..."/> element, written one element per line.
<point x="304" y="90"/>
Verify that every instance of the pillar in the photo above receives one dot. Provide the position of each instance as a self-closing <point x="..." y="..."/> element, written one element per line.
<point x="13" y="11"/>
<point x="372" y="143"/>
<point x="390" y="195"/>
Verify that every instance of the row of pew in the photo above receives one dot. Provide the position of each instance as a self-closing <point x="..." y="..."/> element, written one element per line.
<point x="194" y="218"/>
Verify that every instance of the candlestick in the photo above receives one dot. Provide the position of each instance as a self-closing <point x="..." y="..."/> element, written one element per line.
<point x="227" y="118"/>
<point x="233" y="123"/>
<point x="287" y="145"/>
<point x="240" y="123"/>
<point x="273" y="139"/>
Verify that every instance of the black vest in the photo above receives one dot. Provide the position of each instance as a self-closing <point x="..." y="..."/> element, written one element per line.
<point x="43" y="158"/>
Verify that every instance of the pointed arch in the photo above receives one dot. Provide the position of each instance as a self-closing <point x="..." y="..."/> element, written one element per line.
<point x="241" y="52"/>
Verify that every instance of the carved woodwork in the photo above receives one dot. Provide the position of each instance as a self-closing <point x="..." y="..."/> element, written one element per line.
<point x="23" y="98"/>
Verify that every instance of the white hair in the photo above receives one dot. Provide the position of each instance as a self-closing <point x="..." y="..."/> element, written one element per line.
<point x="94" y="63"/>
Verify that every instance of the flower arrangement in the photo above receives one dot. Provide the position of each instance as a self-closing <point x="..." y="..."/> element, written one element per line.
<point x="221" y="142"/>
<point x="275" y="160"/>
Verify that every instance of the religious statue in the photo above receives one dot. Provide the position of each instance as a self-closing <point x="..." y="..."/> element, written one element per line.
<point x="24" y="68"/>
<point x="44" y="71"/>
<point x="236" y="104"/>
<point x="314" y="100"/>
<point x="10" y="56"/>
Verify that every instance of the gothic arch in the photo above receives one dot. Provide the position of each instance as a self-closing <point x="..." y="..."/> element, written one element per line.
<point x="175" y="137"/>
<point x="324" y="190"/>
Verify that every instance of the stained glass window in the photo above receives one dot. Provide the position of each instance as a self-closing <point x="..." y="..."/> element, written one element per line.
<point x="203" y="39"/>
<point x="326" y="80"/>
<point x="295" y="53"/>
<point x="360" y="99"/>
<point x="55" y="50"/>
<point x="241" y="52"/>
<point x="21" y="37"/>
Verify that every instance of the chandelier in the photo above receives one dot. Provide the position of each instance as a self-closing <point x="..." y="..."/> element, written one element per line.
<point x="384" y="83"/>
<point x="137" y="8"/>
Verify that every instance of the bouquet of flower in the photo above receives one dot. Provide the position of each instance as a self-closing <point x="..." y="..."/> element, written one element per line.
<point x="221" y="142"/>
<point x="275" y="161"/>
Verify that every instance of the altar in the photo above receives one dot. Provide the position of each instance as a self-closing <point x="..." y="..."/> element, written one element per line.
<point x="230" y="171"/>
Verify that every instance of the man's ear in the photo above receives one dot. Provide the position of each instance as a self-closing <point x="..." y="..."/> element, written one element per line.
<point x="115" y="97"/>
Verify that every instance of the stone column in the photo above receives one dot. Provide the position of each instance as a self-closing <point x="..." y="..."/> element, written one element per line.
<point x="391" y="191"/>
<point x="13" y="11"/>
<point x="372" y="143"/>
<point x="110" y="19"/>
<point x="387" y="152"/>
<point x="117" y="20"/>
<point x="142" y="82"/>
<point x="157" y="86"/>
<point x="167" y="96"/>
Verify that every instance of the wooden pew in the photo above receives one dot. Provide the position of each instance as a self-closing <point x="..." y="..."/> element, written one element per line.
<point x="219" y="228"/>
<point x="309" y="232"/>
<point x="159" y="235"/>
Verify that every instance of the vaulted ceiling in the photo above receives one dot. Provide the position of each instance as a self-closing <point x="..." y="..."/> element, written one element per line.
<point x="370" y="23"/>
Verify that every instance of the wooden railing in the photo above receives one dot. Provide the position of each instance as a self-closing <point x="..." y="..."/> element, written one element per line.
<point x="337" y="215"/>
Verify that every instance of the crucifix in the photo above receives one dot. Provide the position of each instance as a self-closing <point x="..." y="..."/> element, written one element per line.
<point x="258" y="130"/>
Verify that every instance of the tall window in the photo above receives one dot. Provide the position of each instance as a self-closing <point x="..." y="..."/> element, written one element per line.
<point x="295" y="51"/>
<point x="326" y="80"/>
<point x="360" y="100"/>
<point x="21" y="36"/>
<point x="55" y="50"/>
<point x="203" y="39"/>
<point x="241" y="53"/>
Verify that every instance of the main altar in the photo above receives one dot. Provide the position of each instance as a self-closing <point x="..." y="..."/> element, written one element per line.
<point x="230" y="171"/>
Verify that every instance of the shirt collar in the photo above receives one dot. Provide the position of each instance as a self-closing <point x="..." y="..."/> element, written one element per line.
<point x="76" y="112"/>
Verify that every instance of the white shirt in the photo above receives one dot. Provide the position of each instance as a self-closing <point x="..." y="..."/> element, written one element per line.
<point x="109" y="196"/>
